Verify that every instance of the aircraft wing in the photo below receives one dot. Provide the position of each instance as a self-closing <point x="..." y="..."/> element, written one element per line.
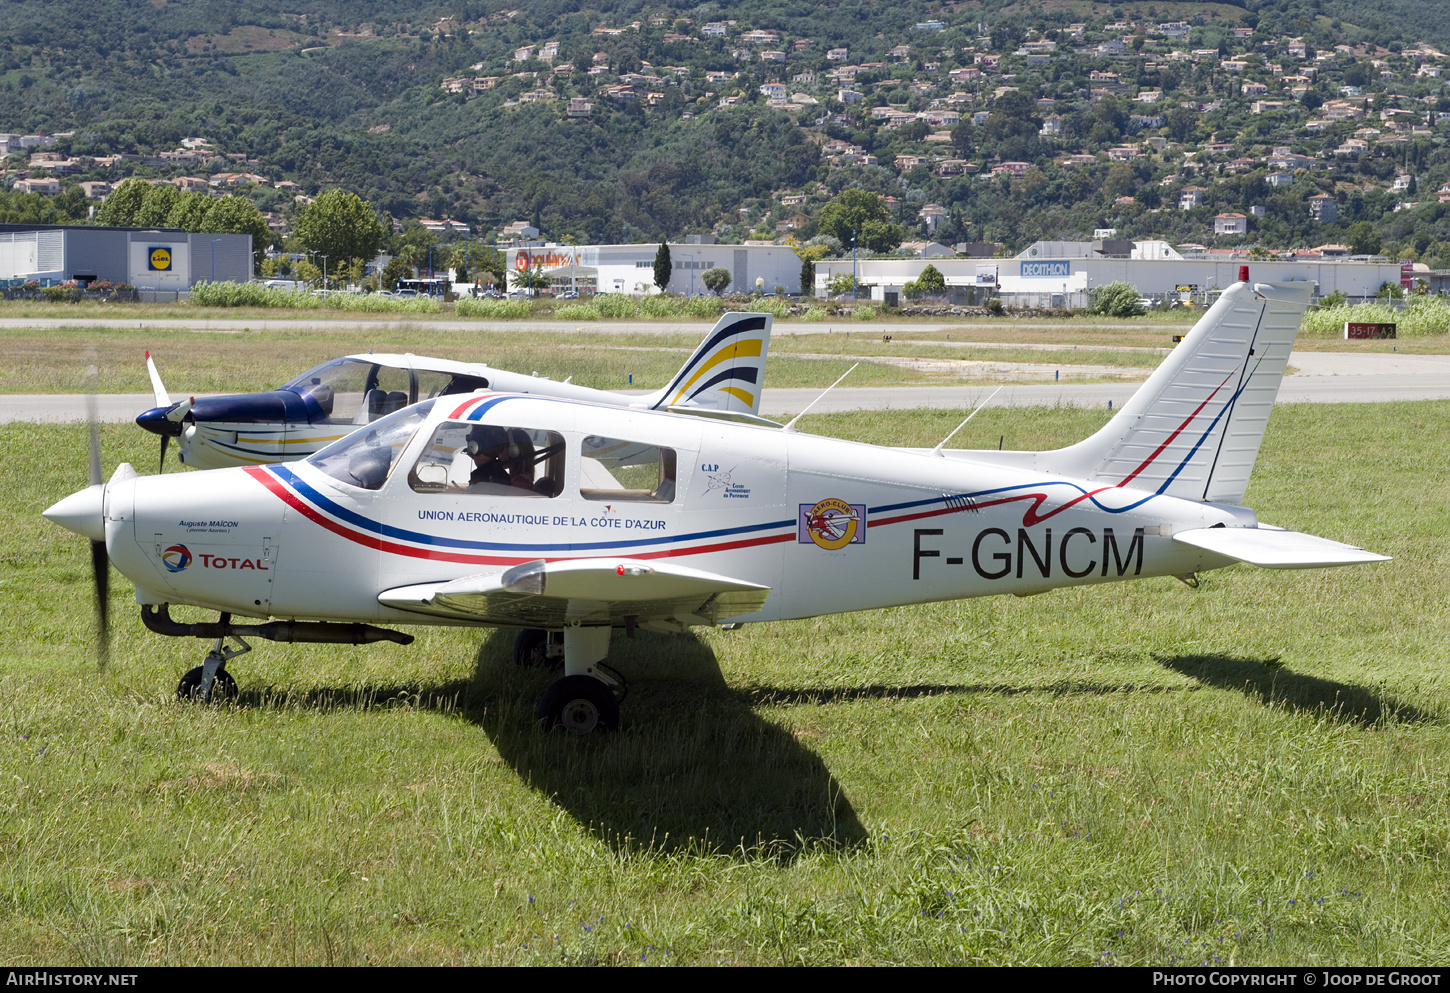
<point x="1275" y="548"/>
<point x="592" y="591"/>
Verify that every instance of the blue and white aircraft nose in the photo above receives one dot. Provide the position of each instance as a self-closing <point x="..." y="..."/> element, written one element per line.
<point x="156" y="421"/>
<point x="82" y="512"/>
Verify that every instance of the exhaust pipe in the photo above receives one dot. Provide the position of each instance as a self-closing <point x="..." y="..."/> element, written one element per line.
<point x="321" y="632"/>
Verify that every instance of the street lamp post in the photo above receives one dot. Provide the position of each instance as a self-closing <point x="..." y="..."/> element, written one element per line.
<point x="324" y="270"/>
<point x="692" y="271"/>
<point x="853" y="265"/>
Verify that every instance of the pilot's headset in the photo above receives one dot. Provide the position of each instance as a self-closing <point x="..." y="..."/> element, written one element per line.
<point x="487" y="437"/>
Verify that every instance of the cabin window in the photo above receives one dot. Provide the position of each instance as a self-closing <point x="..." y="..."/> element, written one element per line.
<point x="352" y="391"/>
<point x="490" y="460"/>
<point x="435" y="384"/>
<point x="366" y="456"/>
<point x="618" y="470"/>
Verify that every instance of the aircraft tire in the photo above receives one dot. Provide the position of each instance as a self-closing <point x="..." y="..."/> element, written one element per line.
<point x="189" y="689"/>
<point x="579" y="705"/>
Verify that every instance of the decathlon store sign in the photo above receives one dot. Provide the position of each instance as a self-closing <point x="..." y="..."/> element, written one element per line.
<point x="1046" y="270"/>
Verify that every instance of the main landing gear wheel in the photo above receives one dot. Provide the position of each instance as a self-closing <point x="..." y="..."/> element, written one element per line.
<point x="579" y="705"/>
<point x="535" y="648"/>
<point x="222" y="690"/>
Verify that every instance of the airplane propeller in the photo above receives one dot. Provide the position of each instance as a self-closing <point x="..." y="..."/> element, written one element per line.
<point x="165" y="419"/>
<point x="100" y="561"/>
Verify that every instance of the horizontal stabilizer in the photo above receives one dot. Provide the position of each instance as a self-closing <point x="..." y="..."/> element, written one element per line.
<point x="551" y="594"/>
<point x="1275" y="548"/>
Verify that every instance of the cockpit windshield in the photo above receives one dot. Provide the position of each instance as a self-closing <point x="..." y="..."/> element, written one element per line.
<point x="352" y="391"/>
<point x="365" y="457"/>
<point x="356" y="391"/>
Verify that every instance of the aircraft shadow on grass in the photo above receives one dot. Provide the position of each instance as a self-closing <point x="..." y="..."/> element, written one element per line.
<point x="770" y="696"/>
<point x="696" y="769"/>
<point x="1268" y="681"/>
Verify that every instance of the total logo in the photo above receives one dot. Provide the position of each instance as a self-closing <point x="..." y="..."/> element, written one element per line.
<point x="176" y="558"/>
<point x="224" y="562"/>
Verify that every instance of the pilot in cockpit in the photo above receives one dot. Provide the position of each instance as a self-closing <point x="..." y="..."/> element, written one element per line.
<point x="501" y="457"/>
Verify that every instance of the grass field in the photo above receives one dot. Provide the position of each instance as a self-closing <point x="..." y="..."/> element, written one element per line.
<point x="56" y="361"/>
<point x="1252" y="772"/>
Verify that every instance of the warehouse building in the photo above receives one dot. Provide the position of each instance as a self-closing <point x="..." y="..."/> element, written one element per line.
<point x="151" y="259"/>
<point x="1062" y="273"/>
<point x="587" y="269"/>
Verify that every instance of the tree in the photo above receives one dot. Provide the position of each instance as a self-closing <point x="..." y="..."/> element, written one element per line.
<point x="931" y="280"/>
<point x="864" y="216"/>
<point x="716" y="279"/>
<point x="340" y="225"/>
<point x="238" y="215"/>
<point x="189" y="211"/>
<point x="1362" y="239"/>
<point x="1118" y="299"/>
<point x="663" y="267"/>
<point x="395" y="270"/>
<point x="119" y="210"/>
<point x="156" y="206"/>
<point x="809" y="256"/>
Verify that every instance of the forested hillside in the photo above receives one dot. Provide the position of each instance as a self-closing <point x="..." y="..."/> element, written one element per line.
<point x="637" y="120"/>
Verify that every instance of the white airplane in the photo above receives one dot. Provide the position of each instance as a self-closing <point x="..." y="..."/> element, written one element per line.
<point x="567" y="519"/>
<point x="723" y="377"/>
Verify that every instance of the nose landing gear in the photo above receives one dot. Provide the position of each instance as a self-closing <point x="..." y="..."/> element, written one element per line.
<point x="210" y="680"/>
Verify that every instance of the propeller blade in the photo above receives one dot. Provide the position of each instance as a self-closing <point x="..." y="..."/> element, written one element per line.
<point x="178" y="413"/>
<point x="161" y="467"/>
<point x="101" y="573"/>
<point x="100" y="561"/>
<point x="162" y="399"/>
<point x="95" y="437"/>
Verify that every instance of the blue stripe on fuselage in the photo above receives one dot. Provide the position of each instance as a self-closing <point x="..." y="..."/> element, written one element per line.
<point x="288" y="477"/>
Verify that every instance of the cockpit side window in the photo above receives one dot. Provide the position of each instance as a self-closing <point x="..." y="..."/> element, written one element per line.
<point x="492" y="460"/>
<point x="365" y="457"/>
<point x="618" y="470"/>
<point x="352" y="391"/>
<point x="436" y="384"/>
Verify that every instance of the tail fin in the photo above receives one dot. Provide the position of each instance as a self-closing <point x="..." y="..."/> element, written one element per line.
<point x="725" y="373"/>
<point x="1193" y="429"/>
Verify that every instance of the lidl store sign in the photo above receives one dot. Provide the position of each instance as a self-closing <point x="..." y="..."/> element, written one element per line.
<point x="158" y="259"/>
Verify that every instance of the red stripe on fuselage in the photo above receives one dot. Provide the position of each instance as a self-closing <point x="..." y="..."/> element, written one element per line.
<point x="1159" y="450"/>
<point x="437" y="555"/>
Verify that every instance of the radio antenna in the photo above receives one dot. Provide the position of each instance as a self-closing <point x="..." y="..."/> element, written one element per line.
<point x="937" y="451"/>
<point x="790" y="426"/>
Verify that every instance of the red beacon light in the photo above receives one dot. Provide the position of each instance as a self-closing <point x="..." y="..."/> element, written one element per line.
<point x="1243" y="274"/>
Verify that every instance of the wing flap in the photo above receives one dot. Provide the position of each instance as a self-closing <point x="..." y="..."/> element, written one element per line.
<point x="1275" y="548"/>
<point x="551" y="594"/>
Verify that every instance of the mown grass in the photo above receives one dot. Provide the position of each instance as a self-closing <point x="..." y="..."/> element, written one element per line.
<point x="1252" y="772"/>
<point x="262" y="359"/>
